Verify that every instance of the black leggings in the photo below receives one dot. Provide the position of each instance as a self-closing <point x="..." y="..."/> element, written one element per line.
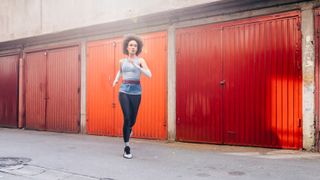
<point x="130" y="106"/>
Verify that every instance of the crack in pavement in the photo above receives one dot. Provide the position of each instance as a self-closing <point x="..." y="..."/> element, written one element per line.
<point x="33" y="170"/>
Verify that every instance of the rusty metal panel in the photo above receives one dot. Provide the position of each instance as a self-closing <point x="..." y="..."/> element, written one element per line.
<point x="262" y="95"/>
<point x="35" y="90"/>
<point x="100" y="94"/>
<point x="9" y="91"/>
<point x="103" y="107"/>
<point x="198" y="57"/>
<point x="317" y="51"/>
<point x="63" y="90"/>
<point x="260" y="83"/>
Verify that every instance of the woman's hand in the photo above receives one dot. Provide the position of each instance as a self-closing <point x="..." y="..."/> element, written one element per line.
<point x="116" y="79"/>
<point x="114" y="83"/>
<point x="143" y="67"/>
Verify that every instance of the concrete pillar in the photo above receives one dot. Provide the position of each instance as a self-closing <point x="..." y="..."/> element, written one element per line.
<point x="83" y="107"/>
<point x="20" y="89"/>
<point x="171" y="84"/>
<point x="308" y="84"/>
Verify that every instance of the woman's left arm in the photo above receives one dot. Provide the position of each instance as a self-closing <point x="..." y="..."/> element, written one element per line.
<point x="144" y="68"/>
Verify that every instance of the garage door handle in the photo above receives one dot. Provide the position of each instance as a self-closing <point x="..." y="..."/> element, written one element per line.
<point x="223" y="82"/>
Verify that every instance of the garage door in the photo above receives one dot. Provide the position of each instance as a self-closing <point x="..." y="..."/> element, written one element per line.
<point x="53" y="90"/>
<point x="239" y="82"/>
<point x="104" y="115"/>
<point x="9" y="91"/>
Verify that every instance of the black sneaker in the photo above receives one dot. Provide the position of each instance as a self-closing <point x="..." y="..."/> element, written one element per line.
<point x="127" y="153"/>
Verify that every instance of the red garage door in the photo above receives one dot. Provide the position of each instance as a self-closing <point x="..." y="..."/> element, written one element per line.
<point x="198" y="91"/>
<point x="243" y="82"/>
<point x="9" y="91"/>
<point x="35" y="67"/>
<point x="53" y="90"/>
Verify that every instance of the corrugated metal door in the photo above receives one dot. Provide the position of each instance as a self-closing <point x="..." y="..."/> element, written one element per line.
<point x="100" y="94"/>
<point x="63" y="90"/>
<point x="35" y="90"/>
<point x="260" y="83"/>
<point x="118" y="117"/>
<point x="103" y="108"/>
<point x="198" y="84"/>
<point x="53" y="90"/>
<point x="317" y="51"/>
<point x="262" y="71"/>
<point x="151" y="119"/>
<point x="9" y="91"/>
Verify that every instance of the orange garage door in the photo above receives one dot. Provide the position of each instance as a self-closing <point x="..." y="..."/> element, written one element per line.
<point x="104" y="115"/>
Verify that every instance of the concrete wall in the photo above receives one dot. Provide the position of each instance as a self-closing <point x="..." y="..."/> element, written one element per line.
<point x="19" y="18"/>
<point x="26" y="18"/>
<point x="308" y="73"/>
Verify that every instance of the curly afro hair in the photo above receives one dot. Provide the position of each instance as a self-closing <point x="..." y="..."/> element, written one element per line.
<point x="129" y="38"/>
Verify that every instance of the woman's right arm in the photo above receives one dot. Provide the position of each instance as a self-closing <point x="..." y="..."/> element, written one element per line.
<point x="117" y="76"/>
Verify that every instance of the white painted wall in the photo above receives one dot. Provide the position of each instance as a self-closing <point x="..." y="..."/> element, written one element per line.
<point x="26" y="18"/>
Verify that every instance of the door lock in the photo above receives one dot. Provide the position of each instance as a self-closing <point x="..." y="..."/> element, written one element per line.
<point x="223" y="82"/>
